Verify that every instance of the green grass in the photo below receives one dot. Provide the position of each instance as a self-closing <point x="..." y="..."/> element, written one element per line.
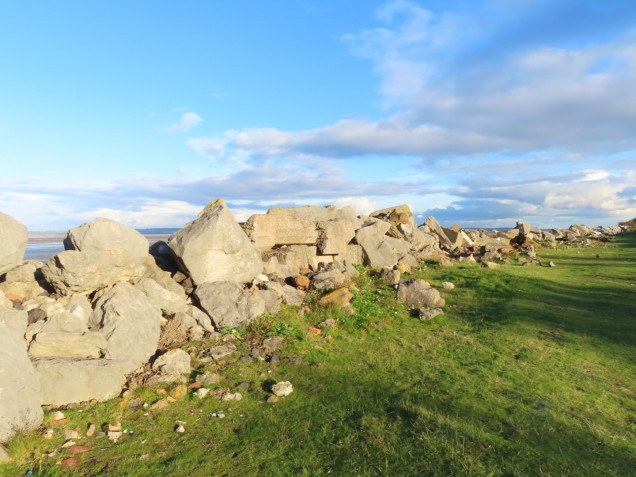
<point x="530" y="371"/>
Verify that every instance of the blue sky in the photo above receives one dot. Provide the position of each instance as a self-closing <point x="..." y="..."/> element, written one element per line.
<point x="477" y="112"/>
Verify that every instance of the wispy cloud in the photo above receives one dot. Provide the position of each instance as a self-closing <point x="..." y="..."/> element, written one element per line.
<point x="185" y="123"/>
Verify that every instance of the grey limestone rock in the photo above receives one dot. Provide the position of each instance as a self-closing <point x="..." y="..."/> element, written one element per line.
<point x="20" y="406"/>
<point x="418" y="293"/>
<point x="65" y="381"/>
<point x="131" y="324"/>
<point x="13" y="237"/>
<point x="214" y="247"/>
<point x="107" y="235"/>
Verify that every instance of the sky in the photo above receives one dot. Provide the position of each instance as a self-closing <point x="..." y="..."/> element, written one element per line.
<point x="477" y="112"/>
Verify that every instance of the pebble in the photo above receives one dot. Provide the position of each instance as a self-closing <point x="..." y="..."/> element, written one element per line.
<point x="91" y="430"/>
<point x="201" y="392"/>
<point x="70" y="433"/>
<point x="69" y="443"/>
<point x="272" y="399"/>
<point x="57" y="415"/>
<point x="273" y="359"/>
<point x="180" y="429"/>
<point x="448" y="286"/>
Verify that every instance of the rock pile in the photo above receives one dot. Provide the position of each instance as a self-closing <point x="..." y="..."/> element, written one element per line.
<point x="78" y="326"/>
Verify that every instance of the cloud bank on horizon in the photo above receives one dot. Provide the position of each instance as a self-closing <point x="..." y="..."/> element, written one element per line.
<point x="478" y="113"/>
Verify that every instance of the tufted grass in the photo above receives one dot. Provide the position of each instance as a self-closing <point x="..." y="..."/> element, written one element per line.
<point x="530" y="371"/>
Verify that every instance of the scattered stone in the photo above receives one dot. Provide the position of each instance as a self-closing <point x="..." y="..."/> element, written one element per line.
<point x="448" y="286"/>
<point x="341" y="296"/>
<point x="201" y="392"/>
<point x="78" y="449"/>
<point x="391" y="276"/>
<point x="301" y="282"/>
<point x="70" y="433"/>
<point x="179" y="392"/>
<point x="91" y="430"/>
<point x="328" y="323"/>
<point x="282" y="388"/>
<point x="419" y="293"/>
<point x="273" y="359"/>
<point x="429" y="313"/>
<point x="171" y="365"/>
<point x="244" y="385"/>
<point x="218" y="352"/>
<point x="489" y="265"/>
<point x="209" y="378"/>
<point x="315" y="331"/>
<point x="272" y="399"/>
<point x="160" y="404"/>
<point x="70" y="462"/>
<point x="551" y="264"/>
<point x="272" y="343"/>
<point x="180" y="429"/>
<point x="231" y="396"/>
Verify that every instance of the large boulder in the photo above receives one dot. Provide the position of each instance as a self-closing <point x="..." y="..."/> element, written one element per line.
<point x="67" y="381"/>
<point x="13" y="237"/>
<point x="20" y="406"/>
<point x="377" y="251"/>
<point x="431" y="226"/>
<point x="214" y="247"/>
<point x="107" y="235"/>
<point x="280" y="227"/>
<point x="397" y="215"/>
<point x="319" y="213"/>
<point x="229" y="305"/>
<point x="167" y="300"/>
<point x="131" y="324"/>
<point x="74" y="272"/>
<point x="23" y="280"/>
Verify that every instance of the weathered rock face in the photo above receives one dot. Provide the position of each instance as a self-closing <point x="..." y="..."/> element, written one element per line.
<point x="66" y="381"/>
<point x="23" y="280"/>
<point x="13" y="237"/>
<point x="318" y="213"/>
<point x="167" y="300"/>
<point x="214" y="247"/>
<point x="280" y="227"/>
<point x="334" y="236"/>
<point x="131" y="324"/>
<point x="377" y="251"/>
<point x="20" y="407"/>
<point x="432" y="226"/>
<point x="171" y="365"/>
<point x="231" y="306"/>
<point x="73" y="272"/>
<point x="107" y="235"/>
<point x="419" y="293"/>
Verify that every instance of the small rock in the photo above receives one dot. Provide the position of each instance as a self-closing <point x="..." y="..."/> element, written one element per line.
<point x="243" y="385"/>
<point x="218" y="352"/>
<point x="160" y="404"/>
<point x="91" y="430"/>
<point x="283" y="388"/>
<point x="551" y="264"/>
<point x="489" y="265"/>
<point x="77" y="449"/>
<point x="448" y="286"/>
<point x="180" y="429"/>
<point x="179" y="392"/>
<point x="301" y="282"/>
<point x="201" y="392"/>
<point x="57" y="416"/>
<point x="315" y="331"/>
<point x="69" y="443"/>
<point x="272" y="399"/>
<point x="231" y="396"/>
<point x="341" y="296"/>
<point x="329" y="323"/>
<point x="429" y="313"/>
<point x="273" y="359"/>
<point x="70" y="462"/>
<point x="70" y="433"/>
<point x="209" y="378"/>
<point x="246" y="359"/>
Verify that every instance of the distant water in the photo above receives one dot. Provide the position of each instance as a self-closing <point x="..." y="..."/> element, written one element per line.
<point x="42" y="246"/>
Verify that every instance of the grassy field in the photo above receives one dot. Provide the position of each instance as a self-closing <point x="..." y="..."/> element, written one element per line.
<point x="530" y="371"/>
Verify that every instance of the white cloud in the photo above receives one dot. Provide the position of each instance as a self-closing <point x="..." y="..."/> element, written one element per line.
<point x="186" y="122"/>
